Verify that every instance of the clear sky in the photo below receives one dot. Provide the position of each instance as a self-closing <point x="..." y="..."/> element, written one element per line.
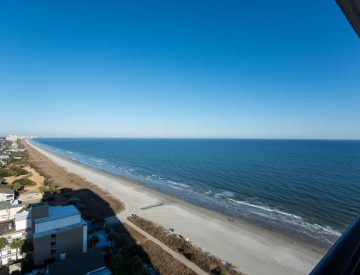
<point x="200" y="68"/>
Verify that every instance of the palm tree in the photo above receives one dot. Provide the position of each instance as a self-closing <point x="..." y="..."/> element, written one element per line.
<point x="94" y="240"/>
<point x="111" y="237"/>
<point x="17" y="244"/>
<point x="3" y="243"/>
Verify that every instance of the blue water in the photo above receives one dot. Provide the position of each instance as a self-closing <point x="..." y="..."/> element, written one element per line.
<point x="304" y="188"/>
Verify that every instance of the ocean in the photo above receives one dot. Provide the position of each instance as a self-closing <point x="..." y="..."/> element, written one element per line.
<point x="307" y="189"/>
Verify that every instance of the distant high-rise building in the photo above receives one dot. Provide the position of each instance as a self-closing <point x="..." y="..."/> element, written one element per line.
<point x="12" y="138"/>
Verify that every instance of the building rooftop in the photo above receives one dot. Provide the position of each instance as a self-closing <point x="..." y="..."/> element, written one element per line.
<point x="58" y="212"/>
<point x="86" y="263"/>
<point x="6" y="227"/>
<point x="59" y="229"/>
<point x="8" y="204"/>
<point x="5" y="190"/>
<point x="30" y="197"/>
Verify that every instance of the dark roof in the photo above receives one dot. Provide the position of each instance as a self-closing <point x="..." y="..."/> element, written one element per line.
<point x="6" y="190"/>
<point x="81" y="264"/>
<point x="351" y="9"/>
<point x="6" y="227"/>
<point x="7" y="205"/>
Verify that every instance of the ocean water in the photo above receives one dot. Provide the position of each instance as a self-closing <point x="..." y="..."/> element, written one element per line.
<point x="308" y="189"/>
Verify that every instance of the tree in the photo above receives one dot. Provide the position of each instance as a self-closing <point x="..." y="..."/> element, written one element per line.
<point x="17" y="244"/>
<point x="111" y="237"/>
<point x="16" y="186"/>
<point x="49" y="188"/>
<point x="3" y="243"/>
<point x="94" y="240"/>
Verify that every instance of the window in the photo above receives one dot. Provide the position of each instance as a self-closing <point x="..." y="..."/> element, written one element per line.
<point x="62" y="256"/>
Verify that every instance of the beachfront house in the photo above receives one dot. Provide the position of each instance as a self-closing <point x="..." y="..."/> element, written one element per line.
<point x="58" y="233"/>
<point x="8" y="210"/>
<point x="14" y="231"/>
<point x="4" y="156"/>
<point x="6" y="194"/>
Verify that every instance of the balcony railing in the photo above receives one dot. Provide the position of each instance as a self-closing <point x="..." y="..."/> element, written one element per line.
<point x="344" y="256"/>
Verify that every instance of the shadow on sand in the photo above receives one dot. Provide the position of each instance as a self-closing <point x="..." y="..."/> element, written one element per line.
<point x="121" y="252"/>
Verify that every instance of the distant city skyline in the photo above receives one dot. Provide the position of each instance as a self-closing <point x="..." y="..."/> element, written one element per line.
<point x="188" y="69"/>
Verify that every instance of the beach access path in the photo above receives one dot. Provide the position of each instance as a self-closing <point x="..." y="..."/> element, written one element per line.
<point x="122" y="218"/>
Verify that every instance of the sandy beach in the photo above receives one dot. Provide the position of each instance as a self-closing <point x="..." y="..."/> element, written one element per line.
<point x="252" y="249"/>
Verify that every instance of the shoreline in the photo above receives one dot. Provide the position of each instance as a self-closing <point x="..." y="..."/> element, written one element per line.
<point x="254" y="250"/>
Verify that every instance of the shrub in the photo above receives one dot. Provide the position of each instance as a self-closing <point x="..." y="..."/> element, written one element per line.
<point x="16" y="186"/>
<point x="17" y="171"/>
<point x="4" y="172"/>
<point x="125" y="265"/>
<point x="204" y="260"/>
<point x="50" y="188"/>
<point x="163" y="261"/>
<point x="25" y="182"/>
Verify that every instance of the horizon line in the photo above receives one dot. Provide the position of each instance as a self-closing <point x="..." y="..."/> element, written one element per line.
<point x="203" y="138"/>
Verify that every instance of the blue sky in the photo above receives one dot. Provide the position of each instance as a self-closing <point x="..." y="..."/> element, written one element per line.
<point x="200" y="68"/>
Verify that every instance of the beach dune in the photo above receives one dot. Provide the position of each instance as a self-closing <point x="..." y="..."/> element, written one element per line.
<point x="252" y="249"/>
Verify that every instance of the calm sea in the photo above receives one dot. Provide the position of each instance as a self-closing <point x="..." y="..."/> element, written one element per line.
<point x="305" y="188"/>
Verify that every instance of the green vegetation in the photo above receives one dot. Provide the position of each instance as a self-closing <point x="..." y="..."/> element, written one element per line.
<point x="124" y="265"/>
<point x="4" y="172"/>
<point x="50" y="188"/>
<point x="17" y="171"/>
<point x="17" y="244"/>
<point x="94" y="240"/>
<point x="132" y="253"/>
<point x="12" y="171"/>
<point x="16" y="186"/>
<point x="202" y="259"/>
<point x="24" y="182"/>
<point x="3" y="243"/>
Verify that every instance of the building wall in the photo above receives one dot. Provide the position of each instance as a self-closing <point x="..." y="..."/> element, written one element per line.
<point x="6" y="197"/>
<point x="42" y="249"/>
<point x="9" y="213"/>
<point x="58" y="223"/>
<point x="69" y="242"/>
<point x="9" y="255"/>
<point x="23" y="224"/>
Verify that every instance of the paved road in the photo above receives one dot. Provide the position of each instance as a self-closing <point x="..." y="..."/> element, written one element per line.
<point x="123" y="219"/>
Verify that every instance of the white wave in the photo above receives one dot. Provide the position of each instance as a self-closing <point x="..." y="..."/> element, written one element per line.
<point x="225" y="194"/>
<point x="296" y="220"/>
<point x="177" y="183"/>
<point x="264" y="208"/>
